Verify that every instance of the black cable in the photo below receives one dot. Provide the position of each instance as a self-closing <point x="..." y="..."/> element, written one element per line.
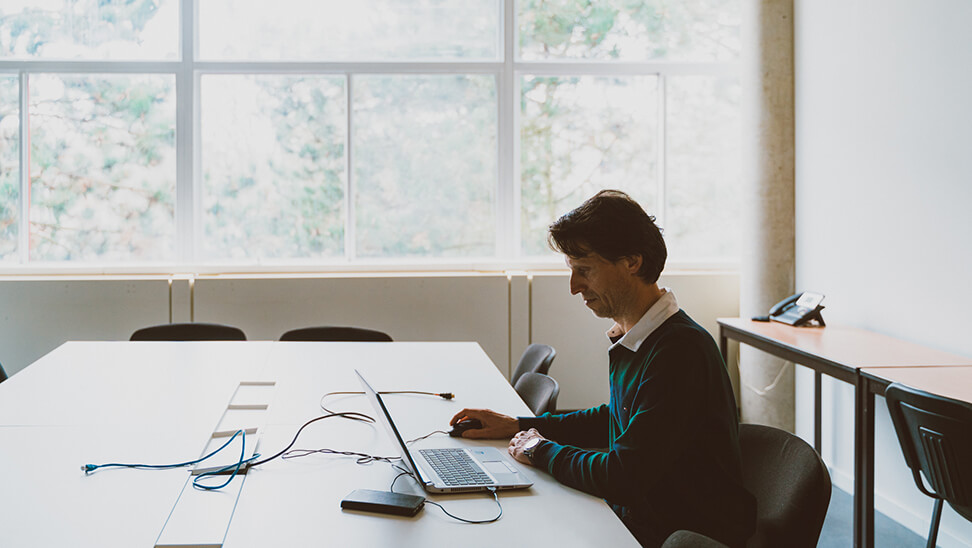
<point x="346" y="414"/>
<point x="363" y="458"/>
<point x="444" y="511"/>
<point x="443" y="395"/>
<point x="427" y="435"/>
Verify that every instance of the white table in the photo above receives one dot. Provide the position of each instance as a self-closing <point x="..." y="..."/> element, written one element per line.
<point x="94" y="402"/>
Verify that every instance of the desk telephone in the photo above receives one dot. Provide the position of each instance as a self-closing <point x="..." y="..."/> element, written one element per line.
<point x="797" y="310"/>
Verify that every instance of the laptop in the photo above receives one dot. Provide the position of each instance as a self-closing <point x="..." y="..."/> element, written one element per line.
<point x="451" y="469"/>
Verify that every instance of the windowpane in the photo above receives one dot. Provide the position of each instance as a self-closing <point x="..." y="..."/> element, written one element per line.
<point x="9" y="167"/>
<point x="425" y="165"/>
<point x="703" y="167"/>
<point x="580" y="135"/>
<point x="273" y="166"/>
<point x="89" y="29"/>
<point x="627" y="30"/>
<point x="339" y="30"/>
<point x="102" y="167"/>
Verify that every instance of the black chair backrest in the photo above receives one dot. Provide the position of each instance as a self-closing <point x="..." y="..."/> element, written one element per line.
<point x="335" y="333"/>
<point x="189" y="332"/>
<point x="538" y="391"/>
<point x="3" y="374"/>
<point x="935" y="434"/>
<point x="791" y="485"/>
<point x="535" y="359"/>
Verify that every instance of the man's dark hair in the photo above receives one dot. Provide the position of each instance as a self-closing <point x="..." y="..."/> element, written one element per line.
<point x="614" y="226"/>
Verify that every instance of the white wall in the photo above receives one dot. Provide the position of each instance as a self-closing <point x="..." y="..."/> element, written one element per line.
<point x="581" y="366"/>
<point x="503" y="313"/>
<point x="884" y="184"/>
<point x="37" y="315"/>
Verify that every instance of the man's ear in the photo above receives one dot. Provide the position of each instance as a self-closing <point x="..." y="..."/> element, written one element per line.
<point x="632" y="263"/>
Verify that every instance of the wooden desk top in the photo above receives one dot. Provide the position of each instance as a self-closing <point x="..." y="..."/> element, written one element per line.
<point x="849" y="346"/>
<point x="951" y="382"/>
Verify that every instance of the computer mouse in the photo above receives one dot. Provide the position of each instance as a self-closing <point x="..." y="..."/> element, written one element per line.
<point x="463" y="425"/>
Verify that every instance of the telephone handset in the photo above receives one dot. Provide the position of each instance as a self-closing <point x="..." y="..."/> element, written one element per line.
<point x="796" y="310"/>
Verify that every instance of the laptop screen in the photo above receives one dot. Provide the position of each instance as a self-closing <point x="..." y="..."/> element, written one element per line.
<point x="385" y="418"/>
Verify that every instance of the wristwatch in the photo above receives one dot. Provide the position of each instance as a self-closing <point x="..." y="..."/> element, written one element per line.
<point x="530" y="447"/>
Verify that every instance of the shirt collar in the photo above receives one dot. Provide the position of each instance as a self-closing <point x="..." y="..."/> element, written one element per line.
<point x="664" y="308"/>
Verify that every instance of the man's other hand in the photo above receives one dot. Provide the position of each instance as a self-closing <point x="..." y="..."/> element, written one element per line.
<point x="495" y="425"/>
<point x="519" y="441"/>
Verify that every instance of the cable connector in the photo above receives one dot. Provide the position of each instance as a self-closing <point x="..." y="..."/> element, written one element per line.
<point x="446" y="395"/>
<point x="88" y="468"/>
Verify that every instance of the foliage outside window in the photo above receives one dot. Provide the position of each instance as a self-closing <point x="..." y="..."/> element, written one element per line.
<point x="326" y="132"/>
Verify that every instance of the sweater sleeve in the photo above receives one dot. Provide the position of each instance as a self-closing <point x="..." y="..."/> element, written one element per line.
<point x="585" y="428"/>
<point x="662" y="406"/>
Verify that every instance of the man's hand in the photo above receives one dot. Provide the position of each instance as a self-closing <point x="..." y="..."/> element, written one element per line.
<point x="519" y="441"/>
<point x="495" y="425"/>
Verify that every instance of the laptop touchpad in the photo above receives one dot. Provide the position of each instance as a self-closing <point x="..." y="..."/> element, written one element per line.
<point x="496" y="467"/>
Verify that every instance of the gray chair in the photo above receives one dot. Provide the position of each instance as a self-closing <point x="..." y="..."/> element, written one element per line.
<point x="538" y="391"/>
<point x="688" y="539"/>
<point x="935" y="434"/>
<point x="537" y="358"/>
<point x="791" y="485"/>
<point x="335" y="333"/>
<point x="189" y="332"/>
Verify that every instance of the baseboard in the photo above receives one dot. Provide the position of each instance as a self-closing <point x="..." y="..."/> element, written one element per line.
<point x="900" y="513"/>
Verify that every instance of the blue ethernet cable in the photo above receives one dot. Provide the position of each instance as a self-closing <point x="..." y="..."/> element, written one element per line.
<point x="89" y="468"/>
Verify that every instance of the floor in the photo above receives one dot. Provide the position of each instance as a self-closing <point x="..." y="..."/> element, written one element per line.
<point x="838" y="527"/>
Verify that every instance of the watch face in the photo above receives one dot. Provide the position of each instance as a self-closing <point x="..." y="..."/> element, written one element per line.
<point x="530" y="446"/>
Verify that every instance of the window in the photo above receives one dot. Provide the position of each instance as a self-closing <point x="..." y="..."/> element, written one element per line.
<point x="406" y="132"/>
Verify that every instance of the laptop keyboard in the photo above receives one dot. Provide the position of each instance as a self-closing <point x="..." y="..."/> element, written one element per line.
<point x="455" y="467"/>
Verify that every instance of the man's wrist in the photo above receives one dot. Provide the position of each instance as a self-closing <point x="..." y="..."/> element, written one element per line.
<point x="526" y="423"/>
<point x="530" y="448"/>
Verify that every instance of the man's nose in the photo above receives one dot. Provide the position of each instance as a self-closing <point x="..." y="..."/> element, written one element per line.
<point x="575" y="285"/>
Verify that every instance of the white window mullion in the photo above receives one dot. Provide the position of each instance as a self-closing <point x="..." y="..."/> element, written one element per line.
<point x="187" y="155"/>
<point x="662" y="202"/>
<point x="23" y="227"/>
<point x="350" y="251"/>
<point x="507" y="191"/>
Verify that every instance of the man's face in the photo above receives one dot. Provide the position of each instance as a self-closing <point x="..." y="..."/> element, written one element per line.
<point x="604" y="285"/>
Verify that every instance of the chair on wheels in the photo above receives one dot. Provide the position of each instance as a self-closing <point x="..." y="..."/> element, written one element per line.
<point x="535" y="359"/>
<point x="189" y="332"/>
<point x="791" y="485"/>
<point x="935" y="434"/>
<point x="538" y="391"/>
<point x="335" y="333"/>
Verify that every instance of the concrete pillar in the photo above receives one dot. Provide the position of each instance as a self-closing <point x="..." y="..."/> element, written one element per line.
<point x="767" y="269"/>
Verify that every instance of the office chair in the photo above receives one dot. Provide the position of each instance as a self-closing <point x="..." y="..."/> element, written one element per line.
<point x="791" y="485"/>
<point x="189" y="332"/>
<point x="3" y="374"/>
<point x="538" y="391"/>
<point x="792" y="489"/>
<point x="935" y="434"/>
<point x="537" y="358"/>
<point x="335" y="333"/>
<point x="688" y="539"/>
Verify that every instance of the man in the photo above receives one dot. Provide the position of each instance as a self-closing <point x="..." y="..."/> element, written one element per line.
<point x="670" y="430"/>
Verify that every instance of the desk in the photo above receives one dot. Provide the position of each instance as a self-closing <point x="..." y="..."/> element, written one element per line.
<point x="841" y="352"/>
<point x="951" y="382"/>
<point x="94" y="402"/>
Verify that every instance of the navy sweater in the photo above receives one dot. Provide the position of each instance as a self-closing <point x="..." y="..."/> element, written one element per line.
<point x="665" y="452"/>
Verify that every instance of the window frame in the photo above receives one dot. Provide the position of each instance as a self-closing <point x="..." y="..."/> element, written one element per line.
<point x="188" y="72"/>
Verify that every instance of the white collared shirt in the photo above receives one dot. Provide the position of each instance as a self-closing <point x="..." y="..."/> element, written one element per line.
<point x="664" y="308"/>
